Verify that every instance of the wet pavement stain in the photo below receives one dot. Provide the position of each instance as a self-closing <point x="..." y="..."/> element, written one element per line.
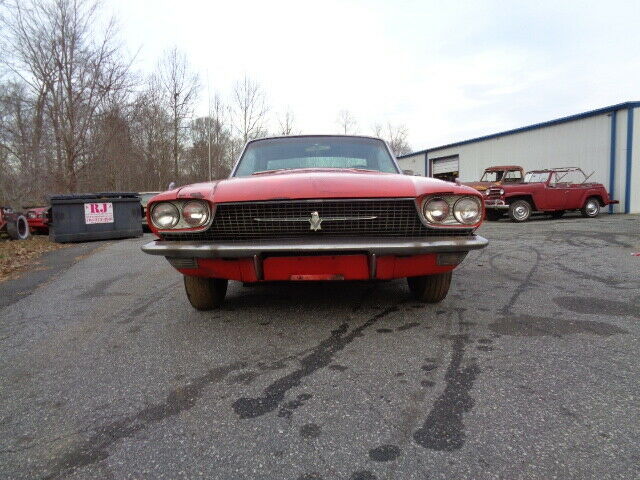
<point x="443" y="429"/>
<point x="384" y="453"/>
<point x="337" y="367"/>
<point x="244" y="378"/>
<point x="310" y="430"/>
<point x="384" y="330"/>
<point x="363" y="475"/>
<point x="287" y="409"/>
<point x="320" y="356"/>
<point x="310" y="476"/>
<point x="530" y="326"/>
<point x="95" y="448"/>
<point x="598" y="306"/>
<point x="407" y="326"/>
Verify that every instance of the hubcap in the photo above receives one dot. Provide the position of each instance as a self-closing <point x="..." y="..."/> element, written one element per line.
<point x="592" y="208"/>
<point x="520" y="212"/>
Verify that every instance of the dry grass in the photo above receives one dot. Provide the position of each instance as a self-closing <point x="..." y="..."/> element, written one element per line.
<point x="17" y="256"/>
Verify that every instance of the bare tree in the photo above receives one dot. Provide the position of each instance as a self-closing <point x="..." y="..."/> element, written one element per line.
<point x="286" y="122"/>
<point x="180" y="87"/>
<point x="250" y="107"/>
<point x="397" y="139"/>
<point x="347" y="122"/>
<point x="56" y="53"/>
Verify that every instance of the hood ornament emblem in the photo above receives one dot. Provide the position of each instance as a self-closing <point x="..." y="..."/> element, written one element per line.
<point x="315" y="221"/>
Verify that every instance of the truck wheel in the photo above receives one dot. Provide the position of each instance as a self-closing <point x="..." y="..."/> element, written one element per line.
<point x="591" y="208"/>
<point x="205" y="293"/>
<point x="430" y="288"/>
<point x="494" y="215"/>
<point x="520" y="211"/>
<point x="19" y="229"/>
<point x="557" y="214"/>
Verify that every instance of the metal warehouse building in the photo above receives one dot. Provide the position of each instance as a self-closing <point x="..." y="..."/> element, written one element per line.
<point x="604" y="141"/>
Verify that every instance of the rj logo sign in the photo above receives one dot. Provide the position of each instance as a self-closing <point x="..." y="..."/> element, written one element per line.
<point x="98" y="213"/>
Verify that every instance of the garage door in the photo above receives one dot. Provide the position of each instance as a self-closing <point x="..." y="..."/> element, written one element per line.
<point x="444" y="165"/>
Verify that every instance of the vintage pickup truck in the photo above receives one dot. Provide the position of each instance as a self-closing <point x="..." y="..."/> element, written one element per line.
<point x="498" y="175"/>
<point x="553" y="191"/>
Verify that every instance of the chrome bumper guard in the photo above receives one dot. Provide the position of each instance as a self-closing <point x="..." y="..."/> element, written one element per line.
<point x="374" y="246"/>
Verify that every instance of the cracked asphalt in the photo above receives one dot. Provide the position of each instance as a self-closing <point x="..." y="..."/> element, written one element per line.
<point x="529" y="369"/>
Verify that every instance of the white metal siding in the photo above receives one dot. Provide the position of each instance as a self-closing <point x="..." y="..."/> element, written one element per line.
<point x="413" y="162"/>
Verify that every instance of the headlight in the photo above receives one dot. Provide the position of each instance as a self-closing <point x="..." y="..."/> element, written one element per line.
<point x="195" y="213"/>
<point x="502" y="191"/>
<point x="467" y="210"/>
<point x="165" y="215"/>
<point x="436" y="210"/>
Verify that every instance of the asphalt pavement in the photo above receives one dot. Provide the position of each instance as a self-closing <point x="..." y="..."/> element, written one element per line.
<point x="529" y="369"/>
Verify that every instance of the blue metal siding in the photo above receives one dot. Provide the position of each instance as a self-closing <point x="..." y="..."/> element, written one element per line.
<point x="627" y="187"/>
<point x="612" y="160"/>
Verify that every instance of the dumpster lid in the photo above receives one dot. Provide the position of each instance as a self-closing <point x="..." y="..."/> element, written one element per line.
<point x="94" y="196"/>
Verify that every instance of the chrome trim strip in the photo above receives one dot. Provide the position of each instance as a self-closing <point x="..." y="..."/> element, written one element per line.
<point x="306" y="219"/>
<point x="377" y="246"/>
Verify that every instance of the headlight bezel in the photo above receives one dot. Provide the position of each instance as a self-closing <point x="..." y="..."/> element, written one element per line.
<point x="451" y="221"/>
<point x="182" y="224"/>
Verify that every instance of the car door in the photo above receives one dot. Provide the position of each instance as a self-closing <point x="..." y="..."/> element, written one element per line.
<point x="555" y="194"/>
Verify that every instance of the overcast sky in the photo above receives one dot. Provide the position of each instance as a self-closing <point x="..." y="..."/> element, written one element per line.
<point x="447" y="70"/>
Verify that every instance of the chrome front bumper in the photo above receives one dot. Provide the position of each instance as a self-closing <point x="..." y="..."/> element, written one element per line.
<point x="496" y="204"/>
<point x="372" y="246"/>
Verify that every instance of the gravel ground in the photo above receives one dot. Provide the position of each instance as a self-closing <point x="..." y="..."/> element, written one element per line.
<point x="529" y="369"/>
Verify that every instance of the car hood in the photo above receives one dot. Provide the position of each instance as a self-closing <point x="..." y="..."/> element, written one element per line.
<point x="306" y="184"/>
<point x="481" y="185"/>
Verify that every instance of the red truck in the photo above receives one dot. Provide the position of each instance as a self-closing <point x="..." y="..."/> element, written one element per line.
<point x="498" y="175"/>
<point x="553" y="191"/>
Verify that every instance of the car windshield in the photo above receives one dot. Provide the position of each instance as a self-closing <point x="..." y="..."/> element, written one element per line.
<point x="536" y="177"/>
<point x="290" y="153"/>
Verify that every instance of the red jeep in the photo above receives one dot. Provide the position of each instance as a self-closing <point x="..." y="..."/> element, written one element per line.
<point x="498" y="175"/>
<point x="553" y="191"/>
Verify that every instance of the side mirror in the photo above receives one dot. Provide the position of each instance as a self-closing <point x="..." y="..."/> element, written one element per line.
<point x="408" y="172"/>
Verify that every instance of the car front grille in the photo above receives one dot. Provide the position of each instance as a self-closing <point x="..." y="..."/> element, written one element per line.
<point x="293" y="219"/>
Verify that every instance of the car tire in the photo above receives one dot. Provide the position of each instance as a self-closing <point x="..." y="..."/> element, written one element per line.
<point x="557" y="214"/>
<point x="430" y="288"/>
<point x="205" y="293"/>
<point x="494" y="215"/>
<point x="18" y="229"/>
<point x="591" y="208"/>
<point x="520" y="211"/>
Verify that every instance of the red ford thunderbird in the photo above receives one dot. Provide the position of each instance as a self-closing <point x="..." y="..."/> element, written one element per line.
<point x="315" y="208"/>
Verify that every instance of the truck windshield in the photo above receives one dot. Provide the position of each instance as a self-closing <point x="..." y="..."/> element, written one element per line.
<point x="289" y="153"/>
<point x="494" y="176"/>
<point x="536" y="177"/>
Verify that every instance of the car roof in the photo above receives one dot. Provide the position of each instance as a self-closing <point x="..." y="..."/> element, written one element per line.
<point x="327" y="135"/>
<point x="504" y="167"/>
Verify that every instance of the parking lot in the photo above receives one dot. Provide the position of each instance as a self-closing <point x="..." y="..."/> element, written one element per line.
<point x="529" y="368"/>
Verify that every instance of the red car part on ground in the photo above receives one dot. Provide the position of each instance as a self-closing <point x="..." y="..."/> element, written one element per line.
<point x="315" y="208"/>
